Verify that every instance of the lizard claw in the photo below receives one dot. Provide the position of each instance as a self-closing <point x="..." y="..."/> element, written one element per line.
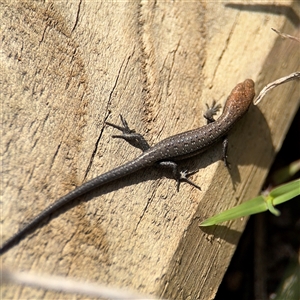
<point x="183" y="176"/>
<point x="125" y="129"/>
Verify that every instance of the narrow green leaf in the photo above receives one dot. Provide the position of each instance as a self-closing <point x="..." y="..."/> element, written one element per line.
<point x="253" y="206"/>
<point x="285" y="192"/>
<point x="284" y="174"/>
<point x="259" y="204"/>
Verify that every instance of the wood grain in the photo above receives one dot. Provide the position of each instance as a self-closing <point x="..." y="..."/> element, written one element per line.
<point x="66" y="67"/>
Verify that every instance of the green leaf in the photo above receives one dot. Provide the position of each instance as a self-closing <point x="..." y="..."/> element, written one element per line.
<point x="286" y="173"/>
<point x="285" y="192"/>
<point x="253" y="206"/>
<point x="259" y="204"/>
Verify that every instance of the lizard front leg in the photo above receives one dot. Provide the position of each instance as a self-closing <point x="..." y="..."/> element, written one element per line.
<point x="130" y="136"/>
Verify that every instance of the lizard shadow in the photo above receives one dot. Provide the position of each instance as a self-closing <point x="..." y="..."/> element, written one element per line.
<point x="251" y="143"/>
<point x="254" y="134"/>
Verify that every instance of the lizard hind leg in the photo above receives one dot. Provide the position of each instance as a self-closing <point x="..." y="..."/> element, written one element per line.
<point x="179" y="176"/>
<point x="130" y="136"/>
<point x="184" y="177"/>
<point x="225" y="146"/>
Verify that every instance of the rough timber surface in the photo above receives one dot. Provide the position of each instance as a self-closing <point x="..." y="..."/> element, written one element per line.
<point x="66" y="68"/>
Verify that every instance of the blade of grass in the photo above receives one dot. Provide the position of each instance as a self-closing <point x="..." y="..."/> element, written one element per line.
<point x="253" y="206"/>
<point x="258" y="204"/>
<point x="285" y="192"/>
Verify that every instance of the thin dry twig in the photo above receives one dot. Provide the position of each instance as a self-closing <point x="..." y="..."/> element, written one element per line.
<point x="274" y="84"/>
<point x="286" y="36"/>
<point x="62" y="284"/>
